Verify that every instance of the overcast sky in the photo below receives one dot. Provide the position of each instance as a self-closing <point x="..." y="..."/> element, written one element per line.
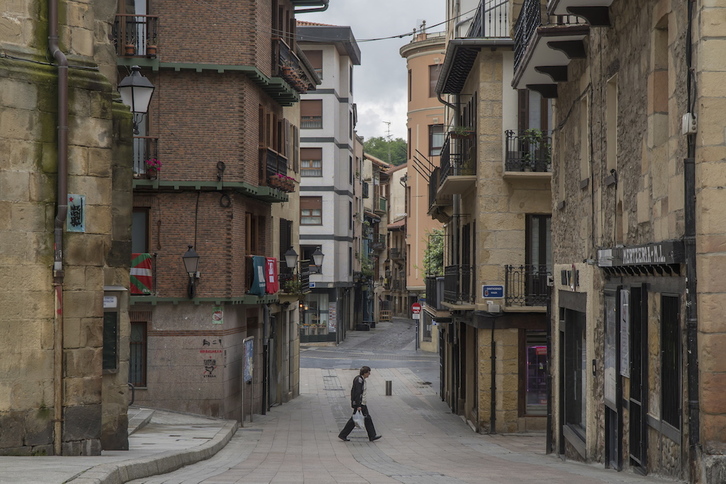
<point x="380" y="80"/>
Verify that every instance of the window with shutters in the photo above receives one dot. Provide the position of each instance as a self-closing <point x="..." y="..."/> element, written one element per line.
<point x="311" y="210"/>
<point x="434" y="72"/>
<point x="311" y="114"/>
<point x="311" y="161"/>
<point x="315" y="57"/>
<point x="436" y="139"/>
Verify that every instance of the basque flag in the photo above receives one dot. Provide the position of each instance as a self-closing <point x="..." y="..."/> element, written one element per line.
<point x="141" y="275"/>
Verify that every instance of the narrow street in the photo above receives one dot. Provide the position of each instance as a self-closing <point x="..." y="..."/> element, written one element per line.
<point x="423" y="442"/>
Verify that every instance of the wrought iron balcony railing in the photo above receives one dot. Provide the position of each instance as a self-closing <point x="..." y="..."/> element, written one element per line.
<point x="530" y="19"/>
<point x="435" y="292"/>
<point x="526" y="285"/>
<point x="528" y="151"/>
<point x="294" y="283"/>
<point x="271" y="165"/>
<point x="136" y="35"/>
<point x="396" y="254"/>
<point x="291" y="68"/>
<point x="458" y="157"/>
<point x="459" y="284"/>
<point x="379" y="242"/>
<point x="491" y="20"/>
<point x="146" y="149"/>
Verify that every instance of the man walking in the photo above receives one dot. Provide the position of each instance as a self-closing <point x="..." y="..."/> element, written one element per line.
<point x="358" y="402"/>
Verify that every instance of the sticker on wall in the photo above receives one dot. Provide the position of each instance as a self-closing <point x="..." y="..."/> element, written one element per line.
<point x="217" y="315"/>
<point x="76" y="219"/>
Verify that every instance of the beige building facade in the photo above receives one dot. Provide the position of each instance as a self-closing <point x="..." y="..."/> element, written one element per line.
<point x="492" y="191"/>
<point x="638" y="165"/>
<point x="425" y="124"/>
<point x="65" y="198"/>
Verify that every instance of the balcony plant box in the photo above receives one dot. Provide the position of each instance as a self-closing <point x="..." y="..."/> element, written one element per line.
<point x="461" y="132"/>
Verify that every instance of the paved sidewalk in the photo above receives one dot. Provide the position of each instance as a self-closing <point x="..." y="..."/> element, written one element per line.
<point x="164" y="442"/>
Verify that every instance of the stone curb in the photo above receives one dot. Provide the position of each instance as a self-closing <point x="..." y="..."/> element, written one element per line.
<point x="121" y="472"/>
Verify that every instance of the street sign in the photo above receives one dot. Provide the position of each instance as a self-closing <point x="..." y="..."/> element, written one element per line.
<point x="492" y="291"/>
<point x="416" y="308"/>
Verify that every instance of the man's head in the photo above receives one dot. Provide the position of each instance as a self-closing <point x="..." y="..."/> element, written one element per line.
<point x="365" y="371"/>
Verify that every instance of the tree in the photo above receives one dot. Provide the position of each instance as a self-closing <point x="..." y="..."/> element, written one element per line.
<point x="434" y="255"/>
<point x="380" y="147"/>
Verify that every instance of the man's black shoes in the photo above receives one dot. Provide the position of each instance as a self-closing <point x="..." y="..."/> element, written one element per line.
<point x="376" y="438"/>
<point x="344" y="439"/>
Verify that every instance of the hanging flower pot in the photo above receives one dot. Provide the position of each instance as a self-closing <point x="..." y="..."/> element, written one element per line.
<point x="152" y="173"/>
<point x="129" y="49"/>
<point x="151" y="50"/>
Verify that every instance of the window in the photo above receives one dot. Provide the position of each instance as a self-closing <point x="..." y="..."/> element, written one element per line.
<point x="311" y="114"/>
<point x="538" y="259"/>
<point x="350" y="215"/>
<point x="410" y="84"/>
<point x="137" y="355"/>
<point x="311" y="210"/>
<point x="140" y="231"/>
<point x="316" y="60"/>
<point x="434" y="72"/>
<point x="311" y="160"/>
<point x="255" y="226"/>
<point x="350" y="170"/>
<point x="575" y="377"/>
<point x="670" y="370"/>
<point x="436" y="139"/>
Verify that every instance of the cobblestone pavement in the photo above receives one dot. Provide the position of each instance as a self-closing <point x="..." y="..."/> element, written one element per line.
<point x="423" y="442"/>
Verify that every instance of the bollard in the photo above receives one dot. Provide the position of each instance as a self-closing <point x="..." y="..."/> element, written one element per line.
<point x="389" y="388"/>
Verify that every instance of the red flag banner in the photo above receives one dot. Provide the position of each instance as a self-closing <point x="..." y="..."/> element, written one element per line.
<point x="273" y="284"/>
<point x="142" y="280"/>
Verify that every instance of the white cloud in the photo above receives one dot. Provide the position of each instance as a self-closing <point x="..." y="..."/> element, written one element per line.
<point x="380" y="80"/>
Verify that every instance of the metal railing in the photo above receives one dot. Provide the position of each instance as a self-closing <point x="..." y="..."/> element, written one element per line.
<point x="458" y="157"/>
<point x="435" y="292"/>
<point x="530" y="18"/>
<point x="526" y="285"/>
<point x="396" y="254"/>
<point x="146" y="149"/>
<point x="294" y="283"/>
<point x="528" y="151"/>
<point x="311" y="122"/>
<point x="491" y="20"/>
<point x="458" y="284"/>
<point x="136" y="35"/>
<point x="275" y="163"/>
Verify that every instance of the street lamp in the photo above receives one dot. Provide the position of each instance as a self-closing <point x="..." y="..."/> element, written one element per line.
<point x="291" y="259"/>
<point x="191" y="264"/>
<point x="136" y="92"/>
<point x="318" y="259"/>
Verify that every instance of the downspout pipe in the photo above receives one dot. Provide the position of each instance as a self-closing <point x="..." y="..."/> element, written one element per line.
<point x="60" y="218"/>
<point x="689" y="179"/>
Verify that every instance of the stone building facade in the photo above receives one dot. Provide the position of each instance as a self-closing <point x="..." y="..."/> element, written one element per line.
<point x="224" y="126"/>
<point x="492" y="190"/>
<point x="65" y="198"/>
<point x="638" y="150"/>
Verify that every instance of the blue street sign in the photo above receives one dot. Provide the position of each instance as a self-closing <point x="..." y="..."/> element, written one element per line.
<point x="492" y="291"/>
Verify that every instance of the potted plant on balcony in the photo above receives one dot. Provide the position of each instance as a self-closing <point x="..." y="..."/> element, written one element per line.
<point x="534" y="145"/>
<point x="461" y="132"/>
<point x="153" y="166"/>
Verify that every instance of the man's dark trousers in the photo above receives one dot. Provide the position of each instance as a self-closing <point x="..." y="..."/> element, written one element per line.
<point x="350" y="425"/>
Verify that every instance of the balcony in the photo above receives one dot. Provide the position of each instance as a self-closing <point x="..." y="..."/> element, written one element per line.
<point x="435" y="292"/>
<point x="294" y="284"/>
<point x="379" y="242"/>
<point x="290" y="66"/>
<point x="136" y="35"/>
<point x="458" y="165"/>
<point x="526" y="285"/>
<point x="543" y="47"/>
<point x="530" y="151"/>
<point x="272" y="164"/>
<point x="594" y="11"/>
<point x="459" y="285"/>
<point x="396" y="254"/>
<point x="145" y="149"/>
<point x="382" y="206"/>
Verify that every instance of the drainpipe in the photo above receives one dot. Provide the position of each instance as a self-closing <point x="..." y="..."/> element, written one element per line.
<point x="689" y="176"/>
<point x="60" y="218"/>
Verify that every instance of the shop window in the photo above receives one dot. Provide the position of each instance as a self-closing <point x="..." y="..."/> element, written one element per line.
<point x="670" y="362"/>
<point x="315" y="311"/>
<point x="137" y="354"/>
<point x="575" y="377"/>
<point x="534" y="379"/>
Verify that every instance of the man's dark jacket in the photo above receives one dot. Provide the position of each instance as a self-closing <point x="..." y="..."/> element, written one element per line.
<point x="356" y="393"/>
